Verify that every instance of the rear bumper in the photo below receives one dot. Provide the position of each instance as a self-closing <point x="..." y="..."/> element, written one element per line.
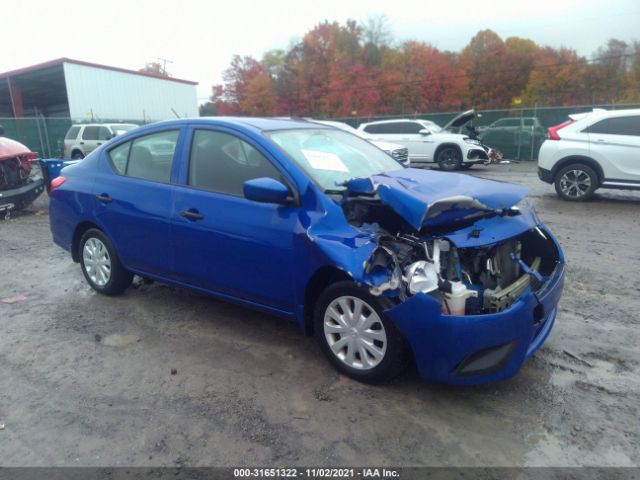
<point x="545" y="175"/>
<point x="21" y="196"/>
<point x="475" y="349"/>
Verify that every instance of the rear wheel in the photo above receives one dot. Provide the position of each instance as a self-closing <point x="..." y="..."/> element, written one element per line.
<point x="449" y="158"/>
<point x="576" y="182"/>
<point x="77" y="155"/>
<point x="356" y="336"/>
<point x="100" y="264"/>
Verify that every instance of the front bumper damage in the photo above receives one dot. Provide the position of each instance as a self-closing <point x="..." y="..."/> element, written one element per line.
<point x="474" y="301"/>
<point x="474" y="349"/>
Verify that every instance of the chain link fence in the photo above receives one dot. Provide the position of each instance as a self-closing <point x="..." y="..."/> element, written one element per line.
<point x="517" y="133"/>
<point x="45" y="135"/>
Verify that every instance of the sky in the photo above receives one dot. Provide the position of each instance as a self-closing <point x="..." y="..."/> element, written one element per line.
<point x="199" y="37"/>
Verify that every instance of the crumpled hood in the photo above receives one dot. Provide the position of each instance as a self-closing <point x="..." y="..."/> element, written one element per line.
<point x="11" y="149"/>
<point x="427" y="198"/>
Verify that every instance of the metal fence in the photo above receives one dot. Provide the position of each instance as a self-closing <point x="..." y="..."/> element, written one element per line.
<point x="518" y="132"/>
<point x="45" y="135"/>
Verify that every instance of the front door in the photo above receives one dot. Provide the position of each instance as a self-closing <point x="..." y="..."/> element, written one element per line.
<point x="227" y="243"/>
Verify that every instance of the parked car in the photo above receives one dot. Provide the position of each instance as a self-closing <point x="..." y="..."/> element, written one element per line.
<point x="82" y="139"/>
<point x="399" y="152"/>
<point x="20" y="179"/>
<point x="513" y="131"/>
<point x="428" y="142"/>
<point x="600" y="149"/>
<point x="314" y="224"/>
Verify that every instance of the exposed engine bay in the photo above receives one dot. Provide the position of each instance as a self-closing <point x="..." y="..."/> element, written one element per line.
<point x="15" y="172"/>
<point x="464" y="281"/>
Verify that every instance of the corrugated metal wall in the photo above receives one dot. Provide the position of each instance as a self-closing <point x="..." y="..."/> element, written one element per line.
<point x="107" y="94"/>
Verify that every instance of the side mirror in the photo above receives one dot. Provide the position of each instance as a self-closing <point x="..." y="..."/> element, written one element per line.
<point x="265" y="190"/>
<point x="424" y="131"/>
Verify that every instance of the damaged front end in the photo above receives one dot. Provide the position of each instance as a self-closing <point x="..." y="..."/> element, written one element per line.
<point x="20" y="182"/>
<point x="474" y="279"/>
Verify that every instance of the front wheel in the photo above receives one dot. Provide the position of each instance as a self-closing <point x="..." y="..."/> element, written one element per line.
<point x="355" y="335"/>
<point x="449" y="158"/>
<point x="100" y="264"/>
<point x="576" y="182"/>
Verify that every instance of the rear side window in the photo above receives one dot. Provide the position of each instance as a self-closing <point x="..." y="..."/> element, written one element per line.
<point x="221" y="163"/>
<point x="90" y="133"/>
<point x="72" y="134"/>
<point x="149" y="157"/>
<point x="394" y="128"/>
<point x="624" y="125"/>
<point x="617" y="126"/>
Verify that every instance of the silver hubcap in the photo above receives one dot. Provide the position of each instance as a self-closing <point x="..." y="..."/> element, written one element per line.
<point x="575" y="183"/>
<point x="97" y="261"/>
<point x="355" y="333"/>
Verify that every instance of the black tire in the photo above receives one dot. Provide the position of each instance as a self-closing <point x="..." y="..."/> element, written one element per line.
<point x="396" y="355"/>
<point x="77" y="155"/>
<point x="119" y="278"/>
<point x="576" y="182"/>
<point x="449" y="158"/>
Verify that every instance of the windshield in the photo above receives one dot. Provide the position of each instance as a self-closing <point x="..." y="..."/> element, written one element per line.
<point x="331" y="157"/>
<point x="432" y="127"/>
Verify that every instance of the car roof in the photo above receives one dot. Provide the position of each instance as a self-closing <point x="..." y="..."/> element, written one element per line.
<point x="398" y="120"/>
<point x="254" y="123"/>
<point x="599" y="113"/>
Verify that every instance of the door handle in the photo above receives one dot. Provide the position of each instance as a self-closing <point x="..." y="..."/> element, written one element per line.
<point x="99" y="143"/>
<point x="104" y="198"/>
<point x="81" y="143"/>
<point x="192" y="215"/>
<point x="600" y="140"/>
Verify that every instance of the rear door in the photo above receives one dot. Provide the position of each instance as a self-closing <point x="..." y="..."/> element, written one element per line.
<point x="89" y="139"/>
<point x="134" y="198"/>
<point x="615" y="143"/>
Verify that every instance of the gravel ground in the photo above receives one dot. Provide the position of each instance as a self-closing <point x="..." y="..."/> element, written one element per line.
<point x="164" y="377"/>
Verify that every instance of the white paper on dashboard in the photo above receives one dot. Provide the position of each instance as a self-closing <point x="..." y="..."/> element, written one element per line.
<point x="325" y="161"/>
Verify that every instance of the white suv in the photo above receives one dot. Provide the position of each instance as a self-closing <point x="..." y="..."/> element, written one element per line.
<point x="427" y="142"/>
<point x="600" y="149"/>
<point x="82" y="139"/>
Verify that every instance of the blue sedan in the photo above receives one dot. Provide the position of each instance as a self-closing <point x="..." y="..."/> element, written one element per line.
<point x="384" y="264"/>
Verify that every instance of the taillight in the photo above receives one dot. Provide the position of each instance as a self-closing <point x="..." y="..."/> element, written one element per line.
<point x="56" y="182"/>
<point x="553" y="131"/>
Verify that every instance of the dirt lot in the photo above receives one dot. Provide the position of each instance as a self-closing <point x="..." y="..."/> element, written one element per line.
<point x="87" y="380"/>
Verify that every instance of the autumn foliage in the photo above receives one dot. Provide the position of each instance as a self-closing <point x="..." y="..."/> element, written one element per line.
<point x="341" y="70"/>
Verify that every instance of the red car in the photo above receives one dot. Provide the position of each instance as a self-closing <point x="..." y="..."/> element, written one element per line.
<point x="20" y="183"/>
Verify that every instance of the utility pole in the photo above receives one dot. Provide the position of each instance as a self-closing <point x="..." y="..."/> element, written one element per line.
<point x="164" y="64"/>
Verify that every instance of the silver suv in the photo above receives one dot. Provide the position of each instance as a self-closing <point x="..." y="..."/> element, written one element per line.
<point x="81" y="139"/>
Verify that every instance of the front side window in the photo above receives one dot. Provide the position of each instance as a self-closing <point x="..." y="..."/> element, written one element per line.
<point x="221" y="163"/>
<point x="90" y="133"/>
<point x="331" y="157"/>
<point x="149" y="157"/>
<point x="507" y="122"/>
<point x="104" y="133"/>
